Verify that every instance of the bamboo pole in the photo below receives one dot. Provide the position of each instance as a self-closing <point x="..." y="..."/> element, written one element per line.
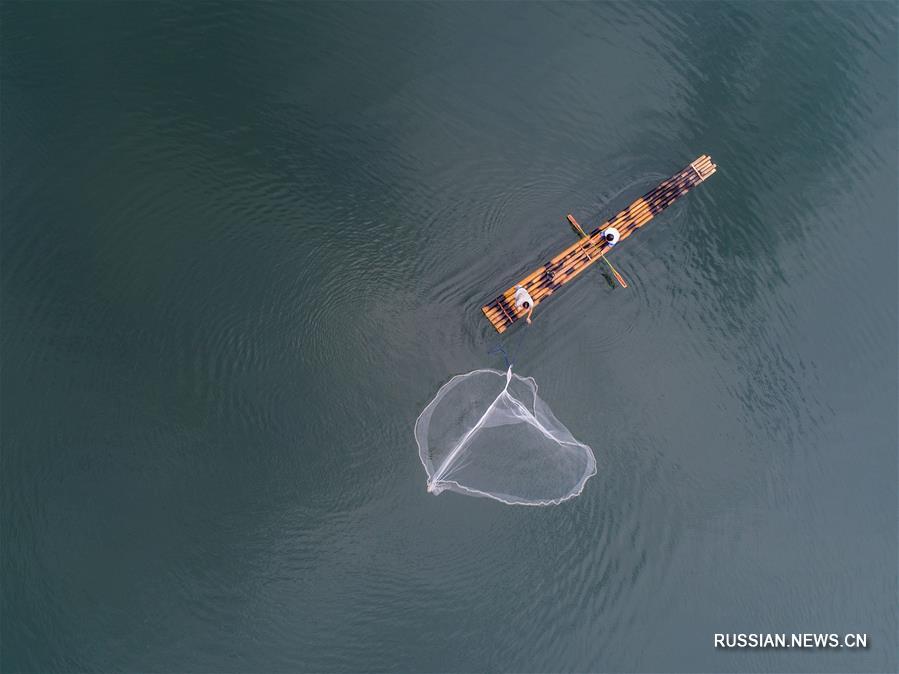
<point x="566" y="265"/>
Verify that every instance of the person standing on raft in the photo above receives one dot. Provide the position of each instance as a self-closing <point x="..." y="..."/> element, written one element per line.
<point x="523" y="300"/>
<point x="611" y="235"/>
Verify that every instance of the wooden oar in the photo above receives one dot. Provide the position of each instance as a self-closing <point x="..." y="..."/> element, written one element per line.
<point x="615" y="271"/>
<point x="577" y="228"/>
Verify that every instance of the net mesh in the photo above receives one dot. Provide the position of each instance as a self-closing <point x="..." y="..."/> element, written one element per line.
<point x="487" y="433"/>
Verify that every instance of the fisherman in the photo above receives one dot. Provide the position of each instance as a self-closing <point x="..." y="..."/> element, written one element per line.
<point x="611" y="235"/>
<point x="523" y="300"/>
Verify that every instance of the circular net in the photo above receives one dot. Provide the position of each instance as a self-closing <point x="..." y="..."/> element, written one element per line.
<point x="487" y="433"/>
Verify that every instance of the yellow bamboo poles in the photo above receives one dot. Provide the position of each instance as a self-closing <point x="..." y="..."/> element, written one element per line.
<point x="568" y="264"/>
<point x="577" y="228"/>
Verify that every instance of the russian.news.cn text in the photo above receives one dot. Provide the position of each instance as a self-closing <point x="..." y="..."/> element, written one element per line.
<point x="809" y="640"/>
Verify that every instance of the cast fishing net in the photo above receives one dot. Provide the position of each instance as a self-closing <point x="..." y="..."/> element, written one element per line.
<point x="487" y="433"/>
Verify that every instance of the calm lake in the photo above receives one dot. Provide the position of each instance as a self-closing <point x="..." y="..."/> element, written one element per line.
<point x="243" y="244"/>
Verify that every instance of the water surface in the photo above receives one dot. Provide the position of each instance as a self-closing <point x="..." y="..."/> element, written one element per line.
<point x="244" y="244"/>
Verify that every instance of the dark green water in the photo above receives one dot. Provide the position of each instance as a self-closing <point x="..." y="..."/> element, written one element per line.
<point x="244" y="244"/>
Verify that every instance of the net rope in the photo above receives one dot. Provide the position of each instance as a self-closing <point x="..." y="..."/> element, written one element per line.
<point x="487" y="433"/>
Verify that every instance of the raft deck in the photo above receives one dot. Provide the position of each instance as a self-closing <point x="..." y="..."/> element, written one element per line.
<point x="545" y="280"/>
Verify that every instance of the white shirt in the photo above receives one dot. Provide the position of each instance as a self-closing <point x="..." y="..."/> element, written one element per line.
<point x="614" y="233"/>
<point x="522" y="296"/>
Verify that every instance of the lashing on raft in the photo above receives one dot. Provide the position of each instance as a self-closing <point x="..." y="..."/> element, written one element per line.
<point x="545" y="280"/>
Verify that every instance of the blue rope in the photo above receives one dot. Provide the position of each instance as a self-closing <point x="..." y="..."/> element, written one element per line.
<point x="499" y="348"/>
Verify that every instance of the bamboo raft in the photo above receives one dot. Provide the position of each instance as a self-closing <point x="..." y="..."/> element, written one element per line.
<point x="545" y="280"/>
